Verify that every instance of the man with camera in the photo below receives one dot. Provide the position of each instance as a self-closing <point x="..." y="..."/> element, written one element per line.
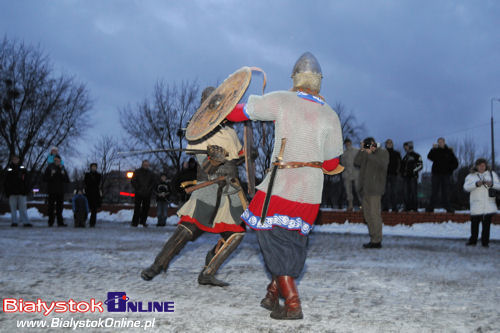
<point x="373" y="163"/>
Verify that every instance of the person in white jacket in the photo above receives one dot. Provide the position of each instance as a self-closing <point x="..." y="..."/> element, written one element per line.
<point x="482" y="206"/>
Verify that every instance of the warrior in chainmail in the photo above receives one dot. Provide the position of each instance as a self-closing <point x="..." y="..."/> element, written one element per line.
<point x="313" y="145"/>
<point x="215" y="208"/>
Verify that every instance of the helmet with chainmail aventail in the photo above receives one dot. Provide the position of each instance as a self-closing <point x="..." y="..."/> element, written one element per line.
<point x="307" y="73"/>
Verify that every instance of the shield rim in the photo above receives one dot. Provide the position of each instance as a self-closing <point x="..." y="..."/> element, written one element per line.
<point x="192" y="137"/>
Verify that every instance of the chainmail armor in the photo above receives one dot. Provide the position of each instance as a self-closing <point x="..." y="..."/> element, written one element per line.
<point x="313" y="133"/>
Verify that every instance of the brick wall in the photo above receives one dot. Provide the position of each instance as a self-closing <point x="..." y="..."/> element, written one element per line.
<point x="324" y="217"/>
<point x="407" y="218"/>
<point x="42" y="208"/>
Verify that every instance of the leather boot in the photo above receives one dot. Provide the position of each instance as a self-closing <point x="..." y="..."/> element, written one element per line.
<point x="271" y="301"/>
<point x="214" y="261"/>
<point x="292" y="308"/>
<point x="175" y="243"/>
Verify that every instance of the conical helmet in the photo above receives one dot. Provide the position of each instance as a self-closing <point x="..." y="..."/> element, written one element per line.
<point x="307" y="74"/>
<point x="307" y="63"/>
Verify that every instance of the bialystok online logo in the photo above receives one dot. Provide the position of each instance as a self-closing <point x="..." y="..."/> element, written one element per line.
<point x="119" y="302"/>
<point x="20" y="305"/>
<point x="116" y="302"/>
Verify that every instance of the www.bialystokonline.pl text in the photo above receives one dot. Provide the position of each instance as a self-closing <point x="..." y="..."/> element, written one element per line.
<point x="87" y="323"/>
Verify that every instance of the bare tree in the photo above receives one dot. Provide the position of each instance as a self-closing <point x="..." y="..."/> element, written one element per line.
<point x="156" y="123"/>
<point x="77" y="175"/>
<point x="350" y="127"/>
<point x="38" y="108"/>
<point x="467" y="151"/>
<point x="264" y="143"/>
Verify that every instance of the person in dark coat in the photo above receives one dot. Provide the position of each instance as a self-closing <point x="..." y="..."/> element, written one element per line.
<point x="56" y="176"/>
<point x="389" y="200"/>
<point x="372" y="162"/>
<point x="411" y="165"/>
<point x="162" y="192"/>
<point x="80" y="208"/>
<point x="444" y="163"/>
<point x="143" y="183"/>
<point x="16" y="188"/>
<point x="188" y="174"/>
<point x="93" y="192"/>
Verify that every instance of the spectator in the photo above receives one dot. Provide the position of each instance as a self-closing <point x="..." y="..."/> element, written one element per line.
<point x="93" y="192"/>
<point x="410" y="167"/>
<point x="143" y="183"/>
<point x="373" y="163"/>
<point x="16" y="188"/>
<point x="351" y="172"/>
<point x="185" y="177"/>
<point x="56" y="176"/>
<point x="389" y="200"/>
<point x="444" y="162"/>
<point x="53" y="152"/>
<point x="162" y="192"/>
<point x="80" y="208"/>
<point x="482" y="206"/>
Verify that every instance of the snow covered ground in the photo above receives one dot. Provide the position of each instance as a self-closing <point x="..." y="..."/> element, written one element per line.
<point x="424" y="279"/>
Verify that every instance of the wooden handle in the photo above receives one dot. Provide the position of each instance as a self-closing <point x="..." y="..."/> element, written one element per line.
<point x="282" y="149"/>
<point x="204" y="184"/>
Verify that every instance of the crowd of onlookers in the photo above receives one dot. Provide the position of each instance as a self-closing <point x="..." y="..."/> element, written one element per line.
<point x="86" y="199"/>
<point x="371" y="175"/>
<point x="146" y="184"/>
<point x="407" y="168"/>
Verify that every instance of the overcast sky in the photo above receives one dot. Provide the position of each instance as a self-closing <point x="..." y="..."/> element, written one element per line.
<point x="410" y="70"/>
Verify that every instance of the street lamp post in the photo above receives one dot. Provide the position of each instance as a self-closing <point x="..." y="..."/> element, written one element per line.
<point x="492" y="135"/>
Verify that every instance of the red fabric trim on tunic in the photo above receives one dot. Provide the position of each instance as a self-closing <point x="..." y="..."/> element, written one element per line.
<point x="238" y="114"/>
<point x="330" y="165"/>
<point x="217" y="229"/>
<point x="280" y="206"/>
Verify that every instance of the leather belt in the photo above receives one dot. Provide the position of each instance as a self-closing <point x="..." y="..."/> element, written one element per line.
<point x="293" y="165"/>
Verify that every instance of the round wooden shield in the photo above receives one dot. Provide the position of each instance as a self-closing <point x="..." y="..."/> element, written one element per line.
<point x="219" y="104"/>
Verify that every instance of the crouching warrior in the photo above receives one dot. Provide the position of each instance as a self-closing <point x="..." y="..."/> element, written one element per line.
<point x="215" y="205"/>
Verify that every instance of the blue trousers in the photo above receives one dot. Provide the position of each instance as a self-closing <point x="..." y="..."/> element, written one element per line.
<point x="284" y="251"/>
<point x="18" y="202"/>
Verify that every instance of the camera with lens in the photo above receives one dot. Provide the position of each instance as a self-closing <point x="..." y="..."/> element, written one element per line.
<point x="367" y="143"/>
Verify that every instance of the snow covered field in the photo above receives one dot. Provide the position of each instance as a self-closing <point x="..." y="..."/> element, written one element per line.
<point x="424" y="279"/>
